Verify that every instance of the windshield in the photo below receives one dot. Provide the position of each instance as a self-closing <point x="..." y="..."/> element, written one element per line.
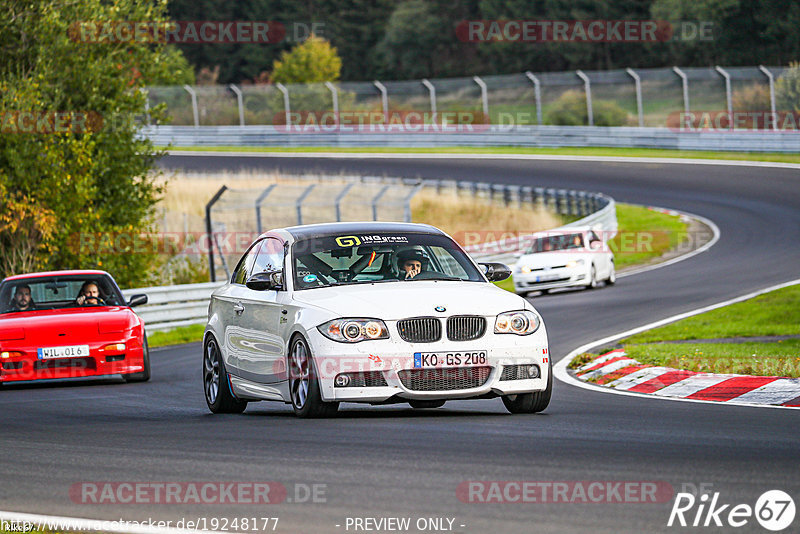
<point x="55" y="292"/>
<point x="556" y="242"/>
<point x="385" y="257"/>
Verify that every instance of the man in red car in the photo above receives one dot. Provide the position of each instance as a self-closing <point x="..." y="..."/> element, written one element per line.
<point x="22" y="299"/>
<point x="89" y="294"/>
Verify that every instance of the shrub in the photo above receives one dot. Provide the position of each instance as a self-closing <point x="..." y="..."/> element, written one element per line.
<point x="787" y="89"/>
<point x="570" y="110"/>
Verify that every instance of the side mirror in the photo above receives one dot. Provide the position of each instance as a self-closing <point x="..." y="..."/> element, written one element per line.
<point x="496" y="272"/>
<point x="596" y="245"/>
<point x="137" y="300"/>
<point x="265" y="281"/>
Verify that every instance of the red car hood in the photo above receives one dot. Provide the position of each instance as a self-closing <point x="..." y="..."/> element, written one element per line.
<point x="66" y="326"/>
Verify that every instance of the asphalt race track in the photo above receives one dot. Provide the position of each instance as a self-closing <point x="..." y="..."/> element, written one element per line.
<point x="396" y="462"/>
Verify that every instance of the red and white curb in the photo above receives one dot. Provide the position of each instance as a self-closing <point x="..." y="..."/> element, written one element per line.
<point x="615" y="370"/>
<point x="786" y="390"/>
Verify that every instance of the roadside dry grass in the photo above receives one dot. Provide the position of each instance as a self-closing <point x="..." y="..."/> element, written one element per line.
<point x="455" y="214"/>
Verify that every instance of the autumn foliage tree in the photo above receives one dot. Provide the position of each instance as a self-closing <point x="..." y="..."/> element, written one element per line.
<point x="315" y="60"/>
<point x="57" y="185"/>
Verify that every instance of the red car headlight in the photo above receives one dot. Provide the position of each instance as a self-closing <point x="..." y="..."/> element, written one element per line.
<point x="11" y="334"/>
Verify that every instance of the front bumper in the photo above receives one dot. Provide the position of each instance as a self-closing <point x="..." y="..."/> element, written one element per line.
<point x="551" y="279"/>
<point x="393" y="360"/>
<point x="100" y="362"/>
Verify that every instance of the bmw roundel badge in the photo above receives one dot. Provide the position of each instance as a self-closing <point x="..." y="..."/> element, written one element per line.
<point x="440" y="308"/>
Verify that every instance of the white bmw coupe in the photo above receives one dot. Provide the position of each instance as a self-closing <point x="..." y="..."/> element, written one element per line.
<point x="375" y="313"/>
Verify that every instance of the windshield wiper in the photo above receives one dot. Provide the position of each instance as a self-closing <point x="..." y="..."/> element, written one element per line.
<point x="439" y="277"/>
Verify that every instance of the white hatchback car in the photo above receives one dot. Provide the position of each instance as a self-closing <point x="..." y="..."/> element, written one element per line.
<point x="567" y="257"/>
<point x="374" y="313"/>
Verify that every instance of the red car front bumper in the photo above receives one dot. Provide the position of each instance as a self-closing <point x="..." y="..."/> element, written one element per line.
<point x="22" y="363"/>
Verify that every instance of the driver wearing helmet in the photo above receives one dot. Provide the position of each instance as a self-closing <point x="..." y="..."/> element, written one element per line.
<point x="411" y="262"/>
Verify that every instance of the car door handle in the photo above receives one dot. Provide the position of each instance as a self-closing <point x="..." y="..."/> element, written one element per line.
<point x="238" y="308"/>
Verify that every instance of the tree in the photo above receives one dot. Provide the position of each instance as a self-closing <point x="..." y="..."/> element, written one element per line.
<point x="787" y="89"/>
<point x="93" y="177"/>
<point x="313" y="61"/>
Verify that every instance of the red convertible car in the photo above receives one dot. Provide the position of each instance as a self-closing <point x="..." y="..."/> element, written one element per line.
<point x="70" y="324"/>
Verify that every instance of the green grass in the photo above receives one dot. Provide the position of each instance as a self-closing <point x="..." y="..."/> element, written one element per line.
<point x="762" y="359"/>
<point x="644" y="235"/>
<point x="569" y="151"/>
<point x="176" y="336"/>
<point x="776" y="313"/>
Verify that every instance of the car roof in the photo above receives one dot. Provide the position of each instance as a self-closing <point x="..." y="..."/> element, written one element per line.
<point x="313" y="231"/>
<point x="29" y="276"/>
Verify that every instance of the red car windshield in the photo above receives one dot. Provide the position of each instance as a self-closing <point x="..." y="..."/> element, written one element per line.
<point x="56" y="292"/>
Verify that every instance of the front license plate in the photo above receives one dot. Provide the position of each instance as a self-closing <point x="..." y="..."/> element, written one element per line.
<point x="449" y="359"/>
<point x="74" y="351"/>
<point x="546" y="277"/>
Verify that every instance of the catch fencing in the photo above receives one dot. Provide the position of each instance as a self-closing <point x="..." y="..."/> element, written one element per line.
<point x="626" y="97"/>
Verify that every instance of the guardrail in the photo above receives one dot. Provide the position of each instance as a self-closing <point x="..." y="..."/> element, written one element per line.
<point x="519" y="135"/>
<point x="173" y="306"/>
<point x="183" y="305"/>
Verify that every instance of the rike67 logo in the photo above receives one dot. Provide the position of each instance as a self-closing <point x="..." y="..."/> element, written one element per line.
<point x="774" y="510"/>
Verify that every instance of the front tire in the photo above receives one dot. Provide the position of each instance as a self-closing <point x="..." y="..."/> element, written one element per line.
<point x="423" y="404"/>
<point x="304" y="385"/>
<point x="218" y="394"/>
<point x="592" y="278"/>
<point x="612" y="277"/>
<point x="144" y="375"/>
<point x="531" y="402"/>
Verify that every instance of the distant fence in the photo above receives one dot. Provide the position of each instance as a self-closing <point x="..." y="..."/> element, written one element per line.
<point x="623" y="97"/>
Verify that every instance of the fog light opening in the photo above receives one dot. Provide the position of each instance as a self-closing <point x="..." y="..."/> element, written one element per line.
<point x="341" y="381"/>
<point x="533" y="371"/>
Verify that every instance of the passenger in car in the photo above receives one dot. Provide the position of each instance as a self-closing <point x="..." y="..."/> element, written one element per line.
<point x="22" y="300"/>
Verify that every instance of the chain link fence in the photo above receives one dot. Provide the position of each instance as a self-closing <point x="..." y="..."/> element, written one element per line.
<point x="626" y="97"/>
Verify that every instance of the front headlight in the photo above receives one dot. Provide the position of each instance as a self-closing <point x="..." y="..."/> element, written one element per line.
<point x="354" y="330"/>
<point x="521" y="322"/>
<point x="575" y="263"/>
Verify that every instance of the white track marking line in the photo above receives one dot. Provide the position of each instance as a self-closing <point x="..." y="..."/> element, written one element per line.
<point x="63" y="523"/>
<point x="561" y="373"/>
<point x="530" y="157"/>
<point x="777" y="392"/>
